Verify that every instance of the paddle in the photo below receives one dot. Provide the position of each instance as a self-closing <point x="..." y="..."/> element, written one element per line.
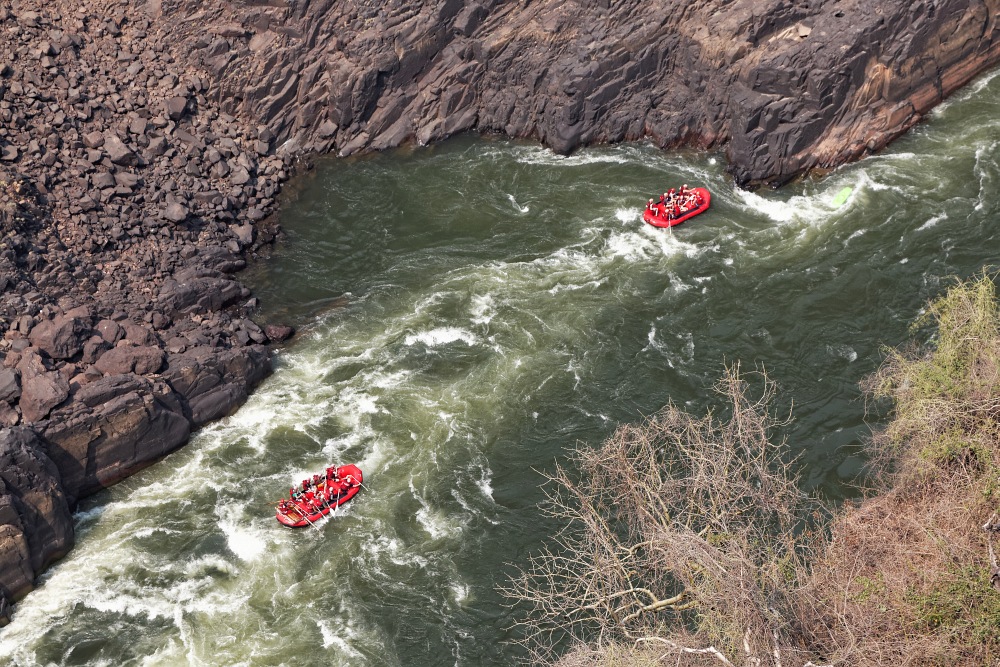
<point x="328" y="508"/>
<point x="300" y="512"/>
<point x="304" y="516"/>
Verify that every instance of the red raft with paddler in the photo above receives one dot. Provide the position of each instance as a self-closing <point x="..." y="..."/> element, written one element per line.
<point x="676" y="206"/>
<point x="319" y="495"/>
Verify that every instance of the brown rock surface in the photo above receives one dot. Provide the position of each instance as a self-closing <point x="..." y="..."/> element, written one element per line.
<point x="784" y="86"/>
<point x="115" y="426"/>
<point x="141" y="360"/>
<point x="96" y="150"/>
<point x="60" y="338"/>
<point x="35" y="524"/>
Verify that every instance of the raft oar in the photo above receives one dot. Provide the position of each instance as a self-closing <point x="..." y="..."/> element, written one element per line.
<point x="328" y="508"/>
<point x="335" y="507"/>
<point x="305" y="516"/>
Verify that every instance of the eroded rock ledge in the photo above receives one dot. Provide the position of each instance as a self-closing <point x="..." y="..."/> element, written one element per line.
<point x="785" y="85"/>
<point x="142" y="147"/>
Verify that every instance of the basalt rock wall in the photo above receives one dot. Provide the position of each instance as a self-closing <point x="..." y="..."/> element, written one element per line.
<point x="35" y="526"/>
<point x="784" y="85"/>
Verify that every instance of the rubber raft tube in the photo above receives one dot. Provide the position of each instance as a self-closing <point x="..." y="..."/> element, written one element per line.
<point x="658" y="217"/>
<point x="307" y="506"/>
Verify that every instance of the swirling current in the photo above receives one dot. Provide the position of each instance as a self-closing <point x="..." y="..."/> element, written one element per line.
<point x="468" y="312"/>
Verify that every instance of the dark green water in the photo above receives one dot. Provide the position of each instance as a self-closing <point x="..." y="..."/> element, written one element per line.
<point x="467" y="312"/>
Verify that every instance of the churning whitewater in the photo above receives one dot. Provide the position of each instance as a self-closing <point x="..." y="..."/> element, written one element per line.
<point x="467" y="312"/>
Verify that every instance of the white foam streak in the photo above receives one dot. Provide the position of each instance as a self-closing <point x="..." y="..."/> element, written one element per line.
<point x="437" y="525"/>
<point x="572" y="288"/>
<point x="460" y="593"/>
<point x="484" y="484"/>
<point x="520" y="209"/>
<point x="332" y="639"/>
<point x="986" y="168"/>
<point x="845" y="352"/>
<point x="248" y="543"/>
<point x="628" y="215"/>
<point x="442" y="336"/>
<point x="539" y="155"/>
<point x="933" y="221"/>
<point x="483" y="309"/>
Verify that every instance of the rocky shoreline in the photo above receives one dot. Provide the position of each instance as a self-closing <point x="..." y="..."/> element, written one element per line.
<point x="142" y="149"/>
<point x="127" y="203"/>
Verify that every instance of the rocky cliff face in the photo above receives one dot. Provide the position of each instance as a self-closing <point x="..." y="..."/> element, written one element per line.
<point x="785" y="86"/>
<point x="142" y="147"/>
<point x="127" y="203"/>
<point x="35" y="525"/>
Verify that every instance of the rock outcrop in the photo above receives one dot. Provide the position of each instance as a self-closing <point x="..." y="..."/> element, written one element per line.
<point x="785" y="86"/>
<point x="35" y="524"/>
<point x="142" y="147"/>
<point x="122" y="325"/>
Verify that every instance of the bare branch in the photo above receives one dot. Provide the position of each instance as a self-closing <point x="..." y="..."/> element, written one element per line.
<point x="675" y="514"/>
<point x="708" y="650"/>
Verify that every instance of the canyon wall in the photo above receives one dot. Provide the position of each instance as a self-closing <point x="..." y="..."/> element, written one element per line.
<point x="784" y="86"/>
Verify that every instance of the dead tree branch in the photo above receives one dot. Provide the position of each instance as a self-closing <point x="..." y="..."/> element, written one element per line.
<point x="673" y="516"/>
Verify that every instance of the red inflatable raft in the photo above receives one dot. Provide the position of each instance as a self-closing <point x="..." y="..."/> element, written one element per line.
<point x="658" y="216"/>
<point x="317" y="497"/>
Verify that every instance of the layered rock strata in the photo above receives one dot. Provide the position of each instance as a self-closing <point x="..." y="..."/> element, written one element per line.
<point x="142" y="147"/>
<point x="784" y="85"/>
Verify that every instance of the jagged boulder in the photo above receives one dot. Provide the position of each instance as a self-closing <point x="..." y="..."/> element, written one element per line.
<point x="35" y="523"/>
<point x="119" y="152"/>
<point x="41" y="389"/>
<point x="10" y="384"/>
<point x="213" y="383"/>
<point x="61" y="337"/>
<point x="111" y="428"/>
<point x="202" y="286"/>
<point x="141" y="360"/>
<point x="278" y="332"/>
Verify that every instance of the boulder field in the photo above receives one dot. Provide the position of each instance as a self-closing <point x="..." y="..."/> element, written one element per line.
<point x="142" y="148"/>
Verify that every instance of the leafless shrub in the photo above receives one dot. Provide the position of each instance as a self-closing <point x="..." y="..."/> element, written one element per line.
<point x="686" y="540"/>
<point x="679" y="522"/>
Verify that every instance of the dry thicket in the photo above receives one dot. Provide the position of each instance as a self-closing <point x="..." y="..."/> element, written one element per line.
<point x="684" y="522"/>
<point x="686" y="540"/>
<point x="908" y="576"/>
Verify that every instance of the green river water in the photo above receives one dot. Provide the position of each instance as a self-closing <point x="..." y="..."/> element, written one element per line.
<point x="467" y="312"/>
